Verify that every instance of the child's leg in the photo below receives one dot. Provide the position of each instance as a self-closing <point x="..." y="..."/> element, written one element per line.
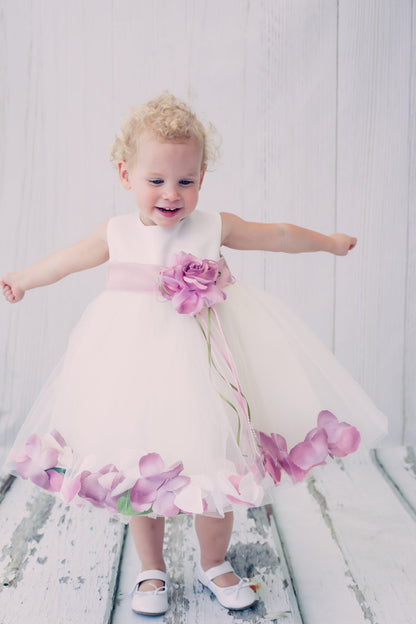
<point x="148" y="538"/>
<point x="214" y="536"/>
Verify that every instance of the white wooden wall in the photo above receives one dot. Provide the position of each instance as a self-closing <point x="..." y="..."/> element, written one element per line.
<point x="315" y="101"/>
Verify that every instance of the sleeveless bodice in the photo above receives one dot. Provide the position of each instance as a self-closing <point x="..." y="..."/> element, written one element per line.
<point x="129" y="240"/>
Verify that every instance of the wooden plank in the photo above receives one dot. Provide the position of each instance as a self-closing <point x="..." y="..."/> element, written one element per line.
<point x="410" y="319"/>
<point x="56" y="564"/>
<point x="57" y="89"/>
<point x="254" y="551"/>
<point x="350" y="544"/>
<point x="375" y="57"/>
<point x="399" y="464"/>
<point x="291" y="94"/>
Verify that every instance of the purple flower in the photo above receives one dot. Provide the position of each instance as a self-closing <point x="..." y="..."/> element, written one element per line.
<point x="270" y="453"/>
<point x="192" y="283"/>
<point x="95" y="487"/>
<point x="36" y="462"/>
<point x="342" y="437"/>
<point x="330" y="437"/>
<point x="157" y="488"/>
<point x="301" y="458"/>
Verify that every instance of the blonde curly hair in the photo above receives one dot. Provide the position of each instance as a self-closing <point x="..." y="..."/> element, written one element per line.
<point x="166" y="118"/>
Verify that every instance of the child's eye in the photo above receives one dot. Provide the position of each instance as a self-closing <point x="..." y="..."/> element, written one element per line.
<point x="185" y="182"/>
<point x="156" y="181"/>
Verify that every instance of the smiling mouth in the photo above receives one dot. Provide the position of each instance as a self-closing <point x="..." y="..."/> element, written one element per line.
<point x="168" y="211"/>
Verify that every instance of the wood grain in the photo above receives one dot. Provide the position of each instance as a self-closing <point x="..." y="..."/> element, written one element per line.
<point x="373" y="100"/>
<point x="56" y="565"/>
<point x="255" y="551"/>
<point x="347" y="529"/>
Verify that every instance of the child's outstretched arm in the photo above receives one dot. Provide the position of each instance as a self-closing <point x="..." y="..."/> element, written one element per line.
<point x="85" y="254"/>
<point x="240" y="234"/>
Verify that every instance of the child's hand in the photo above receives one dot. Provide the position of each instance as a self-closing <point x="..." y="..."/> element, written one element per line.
<point x="342" y="243"/>
<point x="11" y="291"/>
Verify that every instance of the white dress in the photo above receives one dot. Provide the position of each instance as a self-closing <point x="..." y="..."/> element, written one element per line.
<point x="144" y="421"/>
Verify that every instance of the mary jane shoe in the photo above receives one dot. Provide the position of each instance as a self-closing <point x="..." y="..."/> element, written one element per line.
<point x="236" y="597"/>
<point x="153" y="602"/>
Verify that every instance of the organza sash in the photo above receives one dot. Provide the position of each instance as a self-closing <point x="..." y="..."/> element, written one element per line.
<point x="133" y="276"/>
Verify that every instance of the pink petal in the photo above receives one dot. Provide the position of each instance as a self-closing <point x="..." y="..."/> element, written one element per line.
<point x="140" y="508"/>
<point x="175" y="484"/>
<point x="40" y="478"/>
<point x="196" y="283"/>
<point x="21" y="456"/>
<point x="280" y="443"/>
<point x="107" y="480"/>
<point x="348" y="441"/>
<point x="23" y="468"/>
<point x="71" y="488"/>
<point x="33" y="445"/>
<point x="164" y="505"/>
<point x="187" y="302"/>
<point x="267" y="443"/>
<point x="55" y="434"/>
<point x="214" y="295"/>
<point x="151" y="464"/>
<point x="55" y="480"/>
<point x="143" y="491"/>
<point x="48" y="458"/>
<point x="272" y="467"/>
<point x="173" y="471"/>
<point x="310" y="453"/>
<point x="91" y="490"/>
<point x="295" y="473"/>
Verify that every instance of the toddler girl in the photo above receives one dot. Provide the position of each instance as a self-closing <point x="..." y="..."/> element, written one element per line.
<point x="183" y="390"/>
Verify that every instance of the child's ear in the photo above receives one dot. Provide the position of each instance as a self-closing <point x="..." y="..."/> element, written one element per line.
<point x="123" y="174"/>
<point x="204" y="168"/>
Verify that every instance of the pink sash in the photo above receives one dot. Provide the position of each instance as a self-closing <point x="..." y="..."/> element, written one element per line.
<point x="133" y="276"/>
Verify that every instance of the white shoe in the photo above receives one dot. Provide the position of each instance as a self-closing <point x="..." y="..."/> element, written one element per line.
<point x="238" y="597"/>
<point x="153" y="602"/>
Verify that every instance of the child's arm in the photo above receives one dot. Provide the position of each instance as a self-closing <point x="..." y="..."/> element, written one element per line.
<point x="240" y="234"/>
<point x="85" y="254"/>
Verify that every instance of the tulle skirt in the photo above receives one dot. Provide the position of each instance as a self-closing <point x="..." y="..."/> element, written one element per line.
<point x="154" y="412"/>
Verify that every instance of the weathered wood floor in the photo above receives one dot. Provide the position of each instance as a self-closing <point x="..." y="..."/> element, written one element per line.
<point x="339" y="549"/>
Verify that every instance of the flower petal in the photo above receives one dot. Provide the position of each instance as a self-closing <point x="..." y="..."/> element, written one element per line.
<point x="151" y="464"/>
<point x="310" y="453"/>
<point x="164" y="504"/>
<point x="71" y="488"/>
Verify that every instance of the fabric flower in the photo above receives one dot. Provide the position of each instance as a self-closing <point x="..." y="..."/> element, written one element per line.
<point x="192" y="283"/>
<point x="95" y="487"/>
<point x="330" y="437"/>
<point x="36" y="461"/>
<point x="343" y="438"/>
<point x="156" y="488"/>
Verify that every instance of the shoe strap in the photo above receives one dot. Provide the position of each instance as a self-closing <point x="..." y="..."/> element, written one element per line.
<point x="235" y="589"/>
<point x="212" y="573"/>
<point x="149" y="575"/>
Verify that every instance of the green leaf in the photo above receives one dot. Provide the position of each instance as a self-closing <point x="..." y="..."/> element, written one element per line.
<point x="57" y="469"/>
<point x="125" y="508"/>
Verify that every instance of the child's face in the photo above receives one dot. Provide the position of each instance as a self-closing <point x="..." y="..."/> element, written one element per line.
<point x="165" y="180"/>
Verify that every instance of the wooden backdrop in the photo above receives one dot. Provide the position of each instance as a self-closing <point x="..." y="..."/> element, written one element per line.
<point x="315" y="102"/>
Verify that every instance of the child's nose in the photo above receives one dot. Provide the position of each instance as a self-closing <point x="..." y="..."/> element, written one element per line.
<point x="171" y="193"/>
